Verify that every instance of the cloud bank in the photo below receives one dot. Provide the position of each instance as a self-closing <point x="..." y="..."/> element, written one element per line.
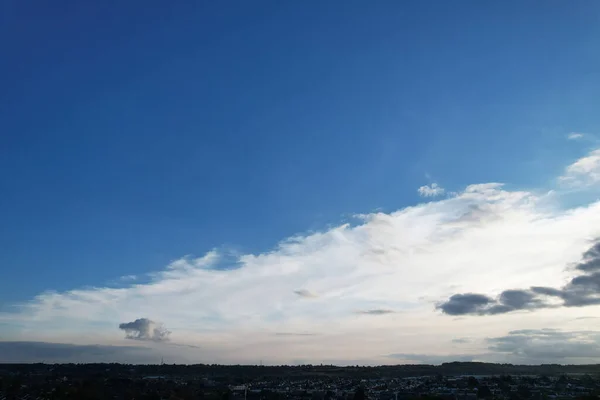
<point x="42" y="352"/>
<point x="544" y="345"/>
<point x="484" y="250"/>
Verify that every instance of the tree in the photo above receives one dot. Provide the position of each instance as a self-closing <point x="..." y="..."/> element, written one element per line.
<point x="484" y="392"/>
<point x="524" y="391"/>
<point x="227" y="395"/>
<point x="359" y="394"/>
<point x="472" y="382"/>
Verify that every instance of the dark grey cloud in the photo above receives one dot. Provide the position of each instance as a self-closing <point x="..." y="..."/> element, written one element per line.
<point x="375" y="311"/>
<point x="305" y="293"/>
<point x="543" y="345"/>
<point x="547" y="291"/>
<point x="591" y="259"/>
<point x="467" y="303"/>
<point x="517" y="299"/>
<point x="32" y="352"/>
<point x="582" y="290"/>
<point x="145" y="329"/>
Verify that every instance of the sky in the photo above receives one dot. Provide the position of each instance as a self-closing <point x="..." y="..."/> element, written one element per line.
<point x="300" y="182"/>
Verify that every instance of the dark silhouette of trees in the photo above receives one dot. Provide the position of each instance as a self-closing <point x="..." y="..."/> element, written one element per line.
<point x="523" y="392"/>
<point x="359" y="394"/>
<point x="484" y="392"/>
<point x="472" y="382"/>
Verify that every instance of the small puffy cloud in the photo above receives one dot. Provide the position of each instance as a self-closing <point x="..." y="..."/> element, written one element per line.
<point x="583" y="172"/>
<point x="432" y="190"/>
<point x="575" y="136"/>
<point x="145" y="329"/>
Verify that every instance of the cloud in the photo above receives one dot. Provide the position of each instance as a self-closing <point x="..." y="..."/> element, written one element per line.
<point x="473" y="245"/>
<point x="145" y="329"/>
<point x="523" y="346"/>
<point x="582" y="290"/>
<point x="583" y="172"/>
<point x="468" y="303"/>
<point x="433" y="359"/>
<point x="294" y="334"/>
<point x="432" y="190"/>
<point x="37" y="352"/>
<point x="591" y="259"/>
<point x="542" y="345"/>
<point x="376" y="311"/>
<point x="575" y="136"/>
<point x="462" y="340"/>
<point x="305" y="293"/>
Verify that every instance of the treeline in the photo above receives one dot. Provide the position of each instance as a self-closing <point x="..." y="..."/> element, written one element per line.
<point x="247" y="372"/>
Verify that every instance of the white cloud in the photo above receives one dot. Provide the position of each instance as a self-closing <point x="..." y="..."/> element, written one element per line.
<point x="575" y="136"/>
<point x="374" y="283"/>
<point x="431" y="191"/>
<point x="583" y="172"/>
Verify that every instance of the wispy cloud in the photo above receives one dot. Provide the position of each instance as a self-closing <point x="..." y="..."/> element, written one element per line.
<point x="376" y="311"/>
<point x="432" y="190"/>
<point x="575" y="136"/>
<point x="306" y="293"/>
<point x="462" y="340"/>
<point x="583" y="172"/>
<point x="294" y="334"/>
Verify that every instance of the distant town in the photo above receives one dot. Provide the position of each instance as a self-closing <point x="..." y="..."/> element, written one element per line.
<point x="450" y="381"/>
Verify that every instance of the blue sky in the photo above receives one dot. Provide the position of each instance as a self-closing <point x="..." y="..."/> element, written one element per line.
<point x="134" y="134"/>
